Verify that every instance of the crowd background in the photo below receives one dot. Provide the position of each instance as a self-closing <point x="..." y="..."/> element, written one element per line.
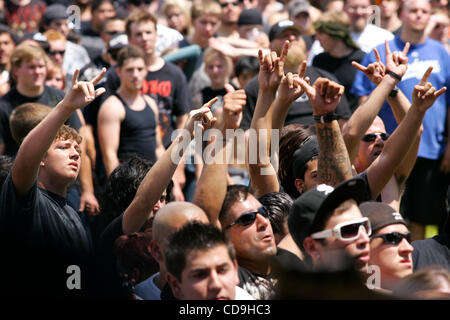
<point x="165" y="59"/>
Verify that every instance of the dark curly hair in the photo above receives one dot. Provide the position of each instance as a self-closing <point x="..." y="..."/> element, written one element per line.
<point x="279" y="205"/>
<point x="121" y="186"/>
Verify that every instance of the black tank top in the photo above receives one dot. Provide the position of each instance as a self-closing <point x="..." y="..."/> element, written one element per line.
<point x="137" y="133"/>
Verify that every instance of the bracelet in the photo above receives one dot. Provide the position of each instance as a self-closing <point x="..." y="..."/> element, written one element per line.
<point x="394" y="92"/>
<point x="393" y="74"/>
<point x="326" y="117"/>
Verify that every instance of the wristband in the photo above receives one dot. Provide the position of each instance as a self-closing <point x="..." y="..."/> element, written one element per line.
<point x="394" y="92"/>
<point x="326" y="117"/>
<point x="393" y="74"/>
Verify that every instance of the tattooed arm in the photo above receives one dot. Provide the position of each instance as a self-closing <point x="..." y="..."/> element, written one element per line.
<point x="334" y="163"/>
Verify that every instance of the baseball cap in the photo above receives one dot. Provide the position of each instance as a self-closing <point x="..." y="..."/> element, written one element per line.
<point x="281" y="26"/>
<point x="307" y="151"/>
<point x="118" y="41"/>
<point x="297" y="6"/>
<point x="380" y="214"/>
<point x="53" y="12"/>
<point x="311" y="208"/>
<point x="250" y="17"/>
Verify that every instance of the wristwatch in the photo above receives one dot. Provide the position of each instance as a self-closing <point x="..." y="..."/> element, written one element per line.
<point x="394" y="92"/>
<point x="326" y="117"/>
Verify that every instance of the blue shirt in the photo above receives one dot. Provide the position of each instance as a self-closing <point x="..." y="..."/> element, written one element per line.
<point x="420" y="57"/>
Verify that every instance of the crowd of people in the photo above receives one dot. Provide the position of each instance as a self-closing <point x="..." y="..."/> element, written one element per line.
<point x="225" y="149"/>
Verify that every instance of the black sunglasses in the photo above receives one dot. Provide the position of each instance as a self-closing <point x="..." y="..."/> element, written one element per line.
<point x="394" y="238"/>
<point x="235" y="4"/>
<point x="372" y="136"/>
<point x="54" y="53"/>
<point x="248" y="218"/>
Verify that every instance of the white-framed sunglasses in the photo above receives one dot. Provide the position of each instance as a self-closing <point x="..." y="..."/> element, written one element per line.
<point x="346" y="231"/>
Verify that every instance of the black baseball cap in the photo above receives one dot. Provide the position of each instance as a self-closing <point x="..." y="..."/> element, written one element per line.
<point x="311" y="208"/>
<point x="250" y="17"/>
<point x="281" y="26"/>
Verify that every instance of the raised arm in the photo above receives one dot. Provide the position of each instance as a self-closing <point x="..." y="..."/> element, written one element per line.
<point x="35" y="145"/>
<point x="263" y="176"/>
<point x="159" y="176"/>
<point x="212" y="186"/>
<point x="382" y="169"/>
<point x="334" y="163"/>
<point x="365" y="114"/>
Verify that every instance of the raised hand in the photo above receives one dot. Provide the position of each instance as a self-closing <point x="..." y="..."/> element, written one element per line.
<point x="424" y="94"/>
<point x="271" y="69"/>
<point x="324" y="94"/>
<point x="82" y="93"/>
<point x="374" y="71"/>
<point x="233" y="103"/>
<point x="397" y="62"/>
<point x="202" y="117"/>
<point x="289" y="90"/>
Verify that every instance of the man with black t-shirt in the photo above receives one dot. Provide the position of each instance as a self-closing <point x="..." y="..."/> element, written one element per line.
<point x="333" y="33"/>
<point x="46" y="248"/>
<point x="301" y="110"/>
<point x="165" y="82"/>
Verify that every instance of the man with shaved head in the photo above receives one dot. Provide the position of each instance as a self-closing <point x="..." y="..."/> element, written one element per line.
<point x="149" y="193"/>
<point x="168" y="220"/>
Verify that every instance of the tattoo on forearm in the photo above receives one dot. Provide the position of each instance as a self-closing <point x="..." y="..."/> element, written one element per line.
<point x="334" y="163"/>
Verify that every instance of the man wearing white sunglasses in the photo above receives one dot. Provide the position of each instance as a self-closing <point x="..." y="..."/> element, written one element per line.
<point x="338" y="228"/>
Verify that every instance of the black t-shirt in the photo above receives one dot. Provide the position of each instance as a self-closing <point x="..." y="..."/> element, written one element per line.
<point x="50" y="97"/>
<point x="301" y="110"/>
<point x="109" y="281"/>
<point x="263" y="287"/>
<point x="41" y="236"/>
<point x="343" y="70"/>
<point x="429" y="252"/>
<point x="169" y="89"/>
<point x="209" y="93"/>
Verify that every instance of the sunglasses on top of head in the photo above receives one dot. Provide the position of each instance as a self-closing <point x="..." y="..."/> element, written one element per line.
<point x="370" y="137"/>
<point x="393" y="238"/>
<point x="248" y="218"/>
<point x="346" y="231"/>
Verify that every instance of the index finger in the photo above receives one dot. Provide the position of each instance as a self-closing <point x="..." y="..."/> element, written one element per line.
<point x="98" y="77"/>
<point x="260" y="57"/>
<point x="211" y="102"/>
<point x="377" y="55"/>
<point x="359" y="66"/>
<point x="426" y="75"/>
<point x="406" y="48"/>
<point x="75" y="77"/>
<point x="302" y="69"/>
<point x="284" y="51"/>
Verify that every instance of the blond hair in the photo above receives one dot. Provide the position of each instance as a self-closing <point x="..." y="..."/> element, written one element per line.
<point x="200" y="8"/>
<point x="210" y="54"/>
